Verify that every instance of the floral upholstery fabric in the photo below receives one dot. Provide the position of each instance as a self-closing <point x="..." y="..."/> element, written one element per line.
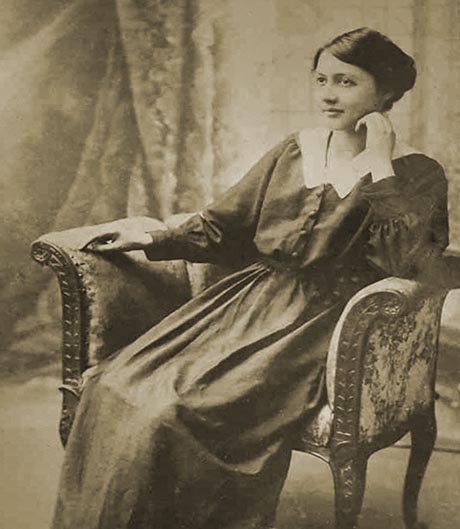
<point x="399" y="368"/>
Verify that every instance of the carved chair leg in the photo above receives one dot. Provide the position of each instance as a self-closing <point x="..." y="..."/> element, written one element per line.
<point x="349" y="483"/>
<point x="423" y="434"/>
<point x="70" y="399"/>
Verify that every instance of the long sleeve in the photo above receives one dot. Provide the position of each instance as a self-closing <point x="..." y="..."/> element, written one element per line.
<point x="224" y="231"/>
<point x="409" y="224"/>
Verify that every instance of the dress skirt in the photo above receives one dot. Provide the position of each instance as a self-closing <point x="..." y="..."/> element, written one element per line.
<point x="191" y="425"/>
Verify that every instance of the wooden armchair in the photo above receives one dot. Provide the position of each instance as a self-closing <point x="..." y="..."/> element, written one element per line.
<point x="380" y="368"/>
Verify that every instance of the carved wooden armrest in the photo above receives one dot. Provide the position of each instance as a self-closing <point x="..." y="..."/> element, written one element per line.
<point x="107" y="301"/>
<point x="381" y="362"/>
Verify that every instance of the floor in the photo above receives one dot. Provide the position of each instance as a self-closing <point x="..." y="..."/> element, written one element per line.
<point x="30" y="457"/>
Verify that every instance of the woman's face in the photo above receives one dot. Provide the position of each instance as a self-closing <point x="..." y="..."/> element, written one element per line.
<point x="343" y="93"/>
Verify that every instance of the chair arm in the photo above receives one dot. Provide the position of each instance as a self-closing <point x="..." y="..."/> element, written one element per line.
<point x="110" y="299"/>
<point x="107" y="300"/>
<point x="382" y="359"/>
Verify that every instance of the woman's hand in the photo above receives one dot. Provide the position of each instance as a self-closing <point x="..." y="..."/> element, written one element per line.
<point x="380" y="142"/>
<point x="122" y="240"/>
<point x="380" y="137"/>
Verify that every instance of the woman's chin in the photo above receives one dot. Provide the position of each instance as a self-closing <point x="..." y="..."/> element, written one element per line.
<point x="336" y="126"/>
<point x="334" y="123"/>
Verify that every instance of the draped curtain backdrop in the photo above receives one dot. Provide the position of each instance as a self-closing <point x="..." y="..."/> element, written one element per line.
<point x="113" y="108"/>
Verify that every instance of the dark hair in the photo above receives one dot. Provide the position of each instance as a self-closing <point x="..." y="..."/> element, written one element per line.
<point x="393" y="70"/>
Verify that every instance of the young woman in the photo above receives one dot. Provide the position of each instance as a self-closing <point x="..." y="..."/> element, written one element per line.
<point x="190" y="426"/>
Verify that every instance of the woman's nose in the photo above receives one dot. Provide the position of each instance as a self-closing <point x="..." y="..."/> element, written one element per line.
<point x="329" y="96"/>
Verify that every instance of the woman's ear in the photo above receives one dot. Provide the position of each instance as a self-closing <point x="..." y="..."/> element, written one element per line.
<point x="386" y="101"/>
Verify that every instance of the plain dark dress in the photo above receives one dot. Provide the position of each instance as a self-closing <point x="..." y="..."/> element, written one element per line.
<point x="189" y="426"/>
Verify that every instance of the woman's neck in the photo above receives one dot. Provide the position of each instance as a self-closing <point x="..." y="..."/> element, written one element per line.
<point x="346" y="144"/>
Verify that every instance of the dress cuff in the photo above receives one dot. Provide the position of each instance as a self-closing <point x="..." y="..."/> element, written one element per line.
<point x="384" y="183"/>
<point x="161" y="246"/>
<point x="366" y="163"/>
<point x="386" y="187"/>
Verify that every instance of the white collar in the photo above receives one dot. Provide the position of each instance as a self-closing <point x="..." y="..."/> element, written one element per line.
<point x="313" y="144"/>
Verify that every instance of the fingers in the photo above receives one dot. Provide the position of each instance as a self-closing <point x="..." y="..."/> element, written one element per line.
<point x="101" y="243"/>
<point x="120" y="241"/>
<point x="388" y="123"/>
<point x="368" y="120"/>
<point x="359" y="124"/>
<point x="104" y="248"/>
<point x="377" y="120"/>
<point x="380" y="137"/>
<point x="378" y="126"/>
<point x="383" y="121"/>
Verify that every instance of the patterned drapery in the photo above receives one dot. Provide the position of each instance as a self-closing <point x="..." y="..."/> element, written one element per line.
<point x="113" y="108"/>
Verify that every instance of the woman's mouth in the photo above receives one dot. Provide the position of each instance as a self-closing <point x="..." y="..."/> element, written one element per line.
<point x="332" y="112"/>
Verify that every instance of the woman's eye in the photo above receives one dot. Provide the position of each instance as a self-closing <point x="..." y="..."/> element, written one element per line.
<point x="346" y="82"/>
<point x="321" y="81"/>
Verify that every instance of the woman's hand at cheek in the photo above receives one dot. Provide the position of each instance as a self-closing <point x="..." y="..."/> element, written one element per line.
<point x="380" y="142"/>
<point x="123" y="240"/>
<point x="380" y="136"/>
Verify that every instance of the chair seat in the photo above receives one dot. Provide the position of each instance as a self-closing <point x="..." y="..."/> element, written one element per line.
<point x="316" y="431"/>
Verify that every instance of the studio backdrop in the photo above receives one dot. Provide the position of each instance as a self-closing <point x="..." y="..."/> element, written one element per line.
<point x="114" y="108"/>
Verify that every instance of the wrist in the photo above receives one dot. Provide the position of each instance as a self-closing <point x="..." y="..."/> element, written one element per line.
<point x="381" y="168"/>
<point x="376" y="163"/>
<point x="147" y="240"/>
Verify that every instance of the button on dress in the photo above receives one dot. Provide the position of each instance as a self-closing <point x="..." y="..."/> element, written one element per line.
<point x="191" y="425"/>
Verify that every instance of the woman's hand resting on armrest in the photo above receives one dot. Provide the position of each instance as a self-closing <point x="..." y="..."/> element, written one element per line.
<point x="122" y="240"/>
